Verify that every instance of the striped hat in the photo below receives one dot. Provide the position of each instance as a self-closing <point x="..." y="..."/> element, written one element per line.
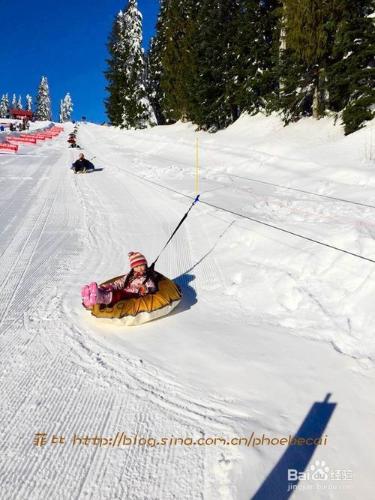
<point x="137" y="259"/>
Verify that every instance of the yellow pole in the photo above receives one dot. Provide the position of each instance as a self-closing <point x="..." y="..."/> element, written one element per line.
<point x="196" y="165"/>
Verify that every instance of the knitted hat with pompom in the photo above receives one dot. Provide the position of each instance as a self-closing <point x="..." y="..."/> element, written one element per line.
<point x="137" y="259"/>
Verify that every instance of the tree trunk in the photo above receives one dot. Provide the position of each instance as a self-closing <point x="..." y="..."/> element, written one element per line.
<point x="316" y="103"/>
<point x="282" y="42"/>
<point x="318" y="99"/>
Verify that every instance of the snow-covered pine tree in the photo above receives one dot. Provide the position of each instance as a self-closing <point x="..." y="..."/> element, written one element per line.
<point x="29" y="102"/>
<point x="127" y="104"/>
<point x="14" y="101"/>
<point x="351" y="76"/>
<point x="154" y="71"/>
<point x="66" y="108"/>
<point x="7" y="102"/>
<point x="155" y="68"/>
<point x="19" y="104"/>
<point x="4" y="103"/>
<point x="115" y="73"/>
<point x="61" y="112"/>
<point x="254" y="80"/>
<point x="2" y="114"/>
<point x="43" y="101"/>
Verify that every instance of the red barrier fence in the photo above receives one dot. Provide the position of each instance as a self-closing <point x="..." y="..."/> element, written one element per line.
<point x="8" y="147"/>
<point x="32" y="137"/>
<point x="50" y="134"/>
<point x="11" y="144"/>
<point x="41" y="137"/>
<point x="29" y="140"/>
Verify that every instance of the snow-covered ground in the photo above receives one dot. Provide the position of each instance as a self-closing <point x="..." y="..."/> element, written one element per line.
<point x="277" y="269"/>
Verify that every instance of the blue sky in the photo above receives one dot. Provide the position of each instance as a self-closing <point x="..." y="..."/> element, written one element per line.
<point x="66" y="43"/>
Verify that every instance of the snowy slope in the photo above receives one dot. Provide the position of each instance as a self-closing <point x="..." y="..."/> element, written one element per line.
<point x="270" y="323"/>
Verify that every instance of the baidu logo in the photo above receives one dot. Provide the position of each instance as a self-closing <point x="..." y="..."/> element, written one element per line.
<point x="319" y="471"/>
<point x="320" y="475"/>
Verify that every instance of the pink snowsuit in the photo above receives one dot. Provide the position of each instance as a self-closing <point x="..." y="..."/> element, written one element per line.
<point x="138" y="285"/>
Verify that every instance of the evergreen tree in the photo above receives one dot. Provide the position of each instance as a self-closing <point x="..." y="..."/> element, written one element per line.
<point x="256" y="53"/>
<point x="154" y="66"/>
<point x="215" y="80"/>
<point x="43" y="101"/>
<point x="154" y="71"/>
<point x="351" y="75"/>
<point x="245" y="61"/>
<point x="66" y="108"/>
<point x="14" y="101"/>
<point x="29" y="102"/>
<point x="175" y="41"/>
<point x="115" y="73"/>
<point x="127" y="104"/>
<point x="19" y="103"/>
<point x="212" y="59"/>
<point x="7" y="103"/>
<point x="4" y="104"/>
<point x="309" y="28"/>
<point x="2" y="111"/>
<point x="61" y="112"/>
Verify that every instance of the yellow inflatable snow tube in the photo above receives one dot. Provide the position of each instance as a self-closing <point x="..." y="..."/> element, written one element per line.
<point x="136" y="311"/>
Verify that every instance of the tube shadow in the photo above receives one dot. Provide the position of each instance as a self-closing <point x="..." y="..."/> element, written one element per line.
<point x="189" y="295"/>
<point x="280" y="482"/>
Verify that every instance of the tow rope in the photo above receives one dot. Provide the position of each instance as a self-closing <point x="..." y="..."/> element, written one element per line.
<point x="175" y="231"/>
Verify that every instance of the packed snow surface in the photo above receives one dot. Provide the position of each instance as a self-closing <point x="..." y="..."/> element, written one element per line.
<point x="276" y="265"/>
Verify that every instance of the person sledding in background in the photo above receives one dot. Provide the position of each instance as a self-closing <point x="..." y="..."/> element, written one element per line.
<point x="82" y="165"/>
<point x="138" y="282"/>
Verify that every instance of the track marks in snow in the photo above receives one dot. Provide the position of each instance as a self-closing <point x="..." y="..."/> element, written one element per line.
<point x="159" y="405"/>
<point x="18" y="256"/>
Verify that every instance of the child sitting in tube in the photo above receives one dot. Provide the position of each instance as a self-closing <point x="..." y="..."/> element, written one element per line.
<point x="136" y="283"/>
